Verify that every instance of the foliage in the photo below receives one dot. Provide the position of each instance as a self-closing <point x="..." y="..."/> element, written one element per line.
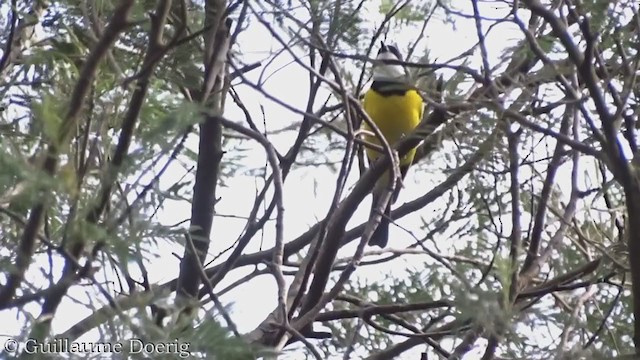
<point x="516" y="227"/>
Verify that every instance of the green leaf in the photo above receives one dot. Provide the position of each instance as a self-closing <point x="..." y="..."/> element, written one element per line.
<point x="47" y="118"/>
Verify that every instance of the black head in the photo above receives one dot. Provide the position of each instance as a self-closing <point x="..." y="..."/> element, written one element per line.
<point x="386" y="51"/>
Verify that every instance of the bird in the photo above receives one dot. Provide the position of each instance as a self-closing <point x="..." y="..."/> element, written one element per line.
<point x="396" y="108"/>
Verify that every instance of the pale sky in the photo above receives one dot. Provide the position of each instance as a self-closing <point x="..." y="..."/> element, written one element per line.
<point x="308" y="192"/>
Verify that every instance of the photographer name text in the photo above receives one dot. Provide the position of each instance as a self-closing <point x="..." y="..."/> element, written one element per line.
<point x="131" y="346"/>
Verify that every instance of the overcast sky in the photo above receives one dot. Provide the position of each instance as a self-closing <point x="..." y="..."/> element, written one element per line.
<point x="308" y="192"/>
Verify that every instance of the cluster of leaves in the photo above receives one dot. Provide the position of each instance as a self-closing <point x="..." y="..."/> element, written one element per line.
<point x="469" y="255"/>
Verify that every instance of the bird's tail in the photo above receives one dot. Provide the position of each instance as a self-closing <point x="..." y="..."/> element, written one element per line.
<point x="380" y="235"/>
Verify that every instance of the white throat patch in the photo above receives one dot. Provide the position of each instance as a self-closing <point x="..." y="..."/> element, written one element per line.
<point x="382" y="71"/>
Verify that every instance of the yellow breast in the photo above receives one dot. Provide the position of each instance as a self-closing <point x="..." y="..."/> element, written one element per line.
<point x="395" y="116"/>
